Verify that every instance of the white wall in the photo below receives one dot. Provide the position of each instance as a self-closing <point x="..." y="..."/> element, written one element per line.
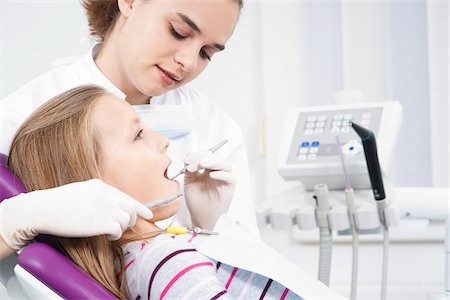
<point x="437" y="21"/>
<point x="34" y="34"/>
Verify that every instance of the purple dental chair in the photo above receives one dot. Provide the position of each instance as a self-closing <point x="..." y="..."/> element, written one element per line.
<point x="42" y="271"/>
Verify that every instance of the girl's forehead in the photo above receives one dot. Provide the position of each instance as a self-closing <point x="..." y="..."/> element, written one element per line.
<point x="112" y="111"/>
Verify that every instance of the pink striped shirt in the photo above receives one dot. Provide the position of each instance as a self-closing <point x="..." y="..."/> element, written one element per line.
<point x="168" y="267"/>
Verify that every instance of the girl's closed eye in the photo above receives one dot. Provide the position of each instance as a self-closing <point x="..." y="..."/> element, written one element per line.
<point x="140" y="135"/>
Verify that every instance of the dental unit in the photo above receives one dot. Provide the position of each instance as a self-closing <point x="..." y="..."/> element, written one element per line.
<point x="320" y="150"/>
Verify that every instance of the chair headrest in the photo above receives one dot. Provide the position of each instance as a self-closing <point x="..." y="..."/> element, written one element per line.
<point x="10" y="185"/>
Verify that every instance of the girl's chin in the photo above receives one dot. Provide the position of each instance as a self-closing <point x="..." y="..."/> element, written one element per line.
<point x="165" y="211"/>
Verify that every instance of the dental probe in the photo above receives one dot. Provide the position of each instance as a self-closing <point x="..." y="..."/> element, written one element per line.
<point x="212" y="149"/>
<point x="162" y="201"/>
<point x="183" y="230"/>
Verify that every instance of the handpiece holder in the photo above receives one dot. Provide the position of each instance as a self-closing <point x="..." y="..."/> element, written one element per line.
<point x="298" y="209"/>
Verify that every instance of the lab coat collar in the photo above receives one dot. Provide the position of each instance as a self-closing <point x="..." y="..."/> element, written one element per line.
<point x="97" y="76"/>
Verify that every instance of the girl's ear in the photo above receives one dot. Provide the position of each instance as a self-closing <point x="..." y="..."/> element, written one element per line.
<point x="125" y="7"/>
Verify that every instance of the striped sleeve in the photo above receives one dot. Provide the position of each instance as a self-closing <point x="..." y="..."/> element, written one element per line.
<point x="168" y="269"/>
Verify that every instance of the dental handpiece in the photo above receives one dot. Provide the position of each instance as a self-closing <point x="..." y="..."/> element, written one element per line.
<point x="212" y="149"/>
<point x="162" y="201"/>
<point x="373" y="164"/>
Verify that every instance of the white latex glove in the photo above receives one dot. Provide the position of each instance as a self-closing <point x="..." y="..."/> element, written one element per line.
<point x="81" y="209"/>
<point x="208" y="194"/>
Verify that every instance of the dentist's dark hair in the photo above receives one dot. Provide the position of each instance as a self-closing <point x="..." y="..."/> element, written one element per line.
<point x="102" y="16"/>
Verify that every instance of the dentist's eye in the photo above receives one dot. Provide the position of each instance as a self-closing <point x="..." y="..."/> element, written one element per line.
<point x="140" y="135"/>
<point x="175" y="33"/>
<point x="204" y="55"/>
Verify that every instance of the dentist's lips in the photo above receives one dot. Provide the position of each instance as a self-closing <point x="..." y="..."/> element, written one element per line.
<point x="167" y="77"/>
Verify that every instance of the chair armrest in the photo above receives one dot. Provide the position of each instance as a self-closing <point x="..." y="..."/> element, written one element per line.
<point x="60" y="274"/>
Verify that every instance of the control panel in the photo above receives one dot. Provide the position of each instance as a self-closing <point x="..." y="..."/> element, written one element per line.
<point x="309" y="151"/>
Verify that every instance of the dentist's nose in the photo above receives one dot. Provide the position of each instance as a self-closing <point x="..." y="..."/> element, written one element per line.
<point x="188" y="59"/>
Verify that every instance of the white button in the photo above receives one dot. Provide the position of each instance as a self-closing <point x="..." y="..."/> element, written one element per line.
<point x="308" y="131"/>
<point x="301" y="157"/>
<point x="321" y="118"/>
<point x="334" y="129"/>
<point x="318" y="130"/>
<point x="345" y="123"/>
<point x="310" y="125"/>
<point x="338" y="117"/>
<point x="311" y="118"/>
<point x="365" y="122"/>
<point x="313" y="150"/>
<point x="303" y="150"/>
<point x="345" y="129"/>
<point x="351" y="148"/>
<point x="337" y="123"/>
<point x="312" y="156"/>
<point x="320" y="124"/>
<point x="348" y="116"/>
<point x="366" y="115"/>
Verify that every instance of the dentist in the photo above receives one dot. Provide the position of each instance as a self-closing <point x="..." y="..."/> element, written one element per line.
<point x="147" y="51"/>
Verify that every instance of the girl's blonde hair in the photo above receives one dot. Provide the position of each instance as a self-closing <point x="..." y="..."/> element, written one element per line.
<point x="57" y="145"/>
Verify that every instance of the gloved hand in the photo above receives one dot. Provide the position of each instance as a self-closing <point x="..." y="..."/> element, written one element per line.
<point x="80" y="209"/>
<point x="208" y="194"/>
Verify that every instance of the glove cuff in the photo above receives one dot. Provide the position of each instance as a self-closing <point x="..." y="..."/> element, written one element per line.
<point x="13" y="228"/>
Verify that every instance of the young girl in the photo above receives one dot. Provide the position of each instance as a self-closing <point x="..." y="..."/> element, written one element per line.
<point x="89" y="134"/>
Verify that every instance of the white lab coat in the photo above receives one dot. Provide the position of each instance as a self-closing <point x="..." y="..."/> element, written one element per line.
<point x="210" y="125"/>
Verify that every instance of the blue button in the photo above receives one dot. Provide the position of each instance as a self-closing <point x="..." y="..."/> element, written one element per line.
<point x="305" y="144"/>
<point x="315" y="144"/>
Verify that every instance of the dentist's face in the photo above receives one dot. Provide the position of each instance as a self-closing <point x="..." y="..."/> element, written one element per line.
<point x="133" y="158"/>
<point x="161" y="45"/>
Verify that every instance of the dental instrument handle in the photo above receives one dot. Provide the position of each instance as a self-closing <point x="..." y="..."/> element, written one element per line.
<point x="177" y="229"/>
<point x="218" y="146"/>
<point x="376" y="180"/>
<point x="212" y="149"/>
<point x="162" y="201"/>
<point x="373" y="164"/>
